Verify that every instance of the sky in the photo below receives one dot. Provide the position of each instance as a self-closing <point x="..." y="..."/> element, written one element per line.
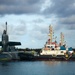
<point x="29" y="20"/>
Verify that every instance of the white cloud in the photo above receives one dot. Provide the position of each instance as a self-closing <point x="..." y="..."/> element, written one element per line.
<point x="45" y="5"/>
<point x="33" y="41"/>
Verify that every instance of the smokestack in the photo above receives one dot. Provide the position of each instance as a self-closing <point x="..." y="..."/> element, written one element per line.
<point x="6" y="27"/>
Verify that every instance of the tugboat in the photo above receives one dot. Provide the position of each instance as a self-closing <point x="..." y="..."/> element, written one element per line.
<point x="53" y="50"/>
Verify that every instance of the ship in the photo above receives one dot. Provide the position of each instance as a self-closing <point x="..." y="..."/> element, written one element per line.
<point x="54" y="50"/>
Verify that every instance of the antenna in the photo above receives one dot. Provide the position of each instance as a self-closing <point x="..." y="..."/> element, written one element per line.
<point x="6" y="27"/>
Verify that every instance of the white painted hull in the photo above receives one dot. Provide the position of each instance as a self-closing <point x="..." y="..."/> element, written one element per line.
<point x="54" y="52"/>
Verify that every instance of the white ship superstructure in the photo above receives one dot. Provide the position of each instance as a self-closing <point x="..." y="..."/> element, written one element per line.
<point x="53" y="48"/>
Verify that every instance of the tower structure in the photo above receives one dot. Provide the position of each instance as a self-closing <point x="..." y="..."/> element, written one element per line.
<point x="61" y="38"/>
<point x="50" y="33"/>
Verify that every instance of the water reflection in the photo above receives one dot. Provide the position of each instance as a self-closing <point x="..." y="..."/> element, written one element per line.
<point x="52" y="63"/>
<point x="37" y="68"/>
<point x="3" y="63"/>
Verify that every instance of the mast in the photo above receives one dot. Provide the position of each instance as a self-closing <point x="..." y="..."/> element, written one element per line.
<point x="6" y="27"/>
<point x="50" y="33"/>
<point x="62" y="38"/>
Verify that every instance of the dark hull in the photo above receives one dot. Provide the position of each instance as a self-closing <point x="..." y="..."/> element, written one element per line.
<point x="30" y="57"/>
<point x="4" y="57"/>
<point x="58" y="58"/>
<point x="26" y="56"/>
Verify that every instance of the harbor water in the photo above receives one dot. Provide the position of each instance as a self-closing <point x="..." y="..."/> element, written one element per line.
<point x="38" y="68"/>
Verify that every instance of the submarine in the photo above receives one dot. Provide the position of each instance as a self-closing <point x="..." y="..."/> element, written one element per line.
<point x="5" y="54"/>
<point x="5" y="41"/>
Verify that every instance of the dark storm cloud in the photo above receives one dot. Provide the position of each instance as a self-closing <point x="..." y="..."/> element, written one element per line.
<point x="61" y="8"/>
<point x="18" y="2"/>
<point x="19" y="6"/>
<point x="64" y="11"/>
<point x="68" y="20"/>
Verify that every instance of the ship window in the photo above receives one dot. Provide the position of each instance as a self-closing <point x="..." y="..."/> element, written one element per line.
<point x="52" y="48"/>
<point x="61" y="51"/>
<point x="48" y="46"/>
